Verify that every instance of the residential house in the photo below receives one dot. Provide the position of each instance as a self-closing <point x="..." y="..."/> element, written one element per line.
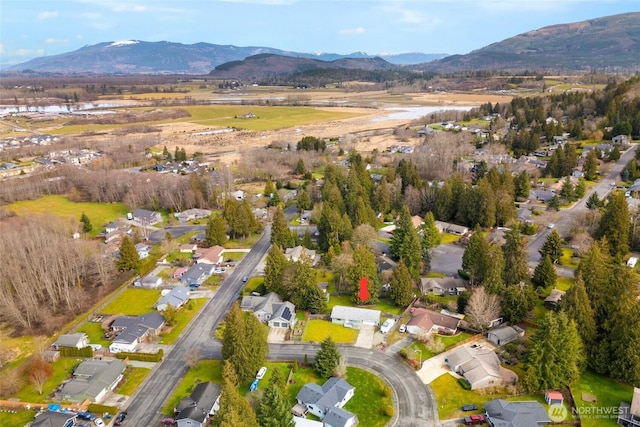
<point x="554" y="298"/>
<point x="446" y="227"/>
<point x="425" y="321"/>
<point x="147" y="217"/>
<point x="92" y="379"/>
<point x="504" y="335"/>
<point x="338" y="417"/>
<point x="300" y="252"/>
<point x="479" y="366"/>
<point x="442" y="285"/>
<point x="176" y="298"/>
<point x="212" y="255"/>
<point x="135" y="329"/>
<point x="191" y="214"/>
<point x="629" y="414"/>
<point x="334" y="393"/>
<point x="112" y="226"/>
<point x="188" y="248"/>
<point x="143" y="250"/>
<point x="79" y="340"/>
<point x="353" y="317"/>
<point x="238" y="195"/>
<point x="197" y="274"/>
<point x="384" y="263"/>
<point x="271" y="309"/>
<point x="179" y="272"/>
<point x="620" y="140"/>
<point x="516" y="414"/>
<point x="553" y="398"/>
<point x="55" y="419"/>
<point x="203" y="402"/>
<point x="542" y="195"/>
<point x="525" y="215"/>
<point x="148" y="281"/>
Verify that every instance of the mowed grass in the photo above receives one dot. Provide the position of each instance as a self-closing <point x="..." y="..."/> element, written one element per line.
<point x="567" y="259"/>
<point x="319" y="330"/>
<point x="564" y="283"/>
<point x="609" y="394"/>
<point x="133" y="377"/>
<point x="62" y="369"/>
<point x="449" y="238"/>
<point x="21" y="418"/>
<point x="133" y="302"/>
<point x="207" y="370"/>
<point x="185" y="316"/>
<point x="99" y="213"/>
<point x="451" y="396"/>
<point x="95" y="333"/>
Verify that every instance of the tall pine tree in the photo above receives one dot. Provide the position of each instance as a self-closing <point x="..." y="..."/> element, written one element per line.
<point x="327" y="358"/>
<point x="616" y="224"/>
<point x="516" y="267"/>
<point x="401" y="292"/>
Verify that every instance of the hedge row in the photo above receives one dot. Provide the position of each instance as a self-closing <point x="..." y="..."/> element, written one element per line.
<point x="76" y="352"/>
<point x="102" y="409"/>
<point x="144" y="357"/>
<point x="464" y="383"/>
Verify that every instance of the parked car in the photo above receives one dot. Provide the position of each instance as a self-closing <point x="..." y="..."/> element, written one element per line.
<point x="99" y="423"/>
<point x="476" y="345"/>
<point x="86" y="415"/>
<point x="387" y="325"/>
<point x="167" y="421"/>
<point x="254" y="385"/>
<point x="261" y="372"/>
<point x="474" y="420"/>
<point x="403" y="328"/>
<point x="245" y="279"/>
<point x="120" y="418"/>
<point x="550" y="226"/>
<point x="470" y="407"/>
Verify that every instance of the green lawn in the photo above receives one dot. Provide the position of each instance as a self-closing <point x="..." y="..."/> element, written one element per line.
<point x="183" y="319"/>
<point x="564" y="283"/>
<point x="234" y="256"/>
<point x="133" y="302"/>
<point x="451" y="396"/>
<point x="62" y="369"/>
<point x="242" y="243"/>
<point x="434" y="275"/>
<point x="255" y="284"/>
<point x="207" y="370"/>
<point x="450" y="341"/>
<point x="567" y="259"/>
<point x="21" y="418"/>
<point x="133" y="377"/>
<point x="449" y="238"/>
<point x="319" y="330"/>
<point x="95" y="333"/>
<point x="338" y="300"/>
<point x="609" y="394"/>
<point x="21" y="346"/>
<point x="177" y="255"/>
<point x="99" y="213"/>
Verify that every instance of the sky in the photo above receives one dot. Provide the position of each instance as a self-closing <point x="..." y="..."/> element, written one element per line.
<point x="33" y="28"/>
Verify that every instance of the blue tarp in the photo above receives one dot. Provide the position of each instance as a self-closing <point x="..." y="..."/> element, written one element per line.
<point x="55" y="407"/>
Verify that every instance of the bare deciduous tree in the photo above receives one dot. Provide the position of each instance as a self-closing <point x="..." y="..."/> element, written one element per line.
<point x="482" y="308"/>
<point x="363" y="235"/>
<point x="192" y="357"/>
<point x="39" y="372"/>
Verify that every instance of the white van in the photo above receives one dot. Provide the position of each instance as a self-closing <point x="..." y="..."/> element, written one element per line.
<point x="387" y="325"/>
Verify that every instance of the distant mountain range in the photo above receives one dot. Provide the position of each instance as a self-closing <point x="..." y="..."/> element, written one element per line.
<point x="608" y="44"/>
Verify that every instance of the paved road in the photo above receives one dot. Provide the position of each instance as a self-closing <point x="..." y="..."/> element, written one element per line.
<point x="146" y="405"/>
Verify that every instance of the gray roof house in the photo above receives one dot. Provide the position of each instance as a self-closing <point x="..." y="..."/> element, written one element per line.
<point x="92" y="379"/>
<point x="501" y="413"/>
<point x="479" y="366"/>
<point x="338" y="417"/>
<point x="271" y="309"/>
<point x="134" y="329"/>
<point x="505" y="334"/>
<point x="353" y="317"/>
<point x="300" y="252"/>
<point x="147" y="217"/>
<point x="542" y="195"/>
<point x="629" y="414"/>
<point x="336" y="392"/>
<point x="79" y="340"/>
<point x="176" y="298"/>
<point x="443" y="285"/>
<point x="55" y="419"/>
<point x="204" y="401"/>
<point x="197" y="274"/>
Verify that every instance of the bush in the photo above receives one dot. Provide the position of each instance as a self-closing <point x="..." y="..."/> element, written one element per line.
<point x="144" y="357"/>
<point x="389" y="411"/>
<point x="464" y="383"/>
<point x="403" y="353"/>
<point x="76" y="352"/>
<point x="386" y="391"/>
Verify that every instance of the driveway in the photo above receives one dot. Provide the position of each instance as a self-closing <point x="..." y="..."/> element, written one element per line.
<point x="276" y="335"/>
<point x="365" y="336"/>
<point x="435" y="367"/>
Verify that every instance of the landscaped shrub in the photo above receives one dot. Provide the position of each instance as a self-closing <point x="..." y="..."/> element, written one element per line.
<point x="389" y="411"/>
<point x="76" y="352"/>
<point x="143" y="357"/>
<point x="386" y="391"/>
<point x="464" y="383"/>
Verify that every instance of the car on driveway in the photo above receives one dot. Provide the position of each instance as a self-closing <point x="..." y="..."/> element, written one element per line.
<point x="474" y="420"/>
<point x="470" y="407"/>
<point x="387" y="325"/>
<point x="403" y="328"/>
<point x="99" y="423"/>
<point x="86" y="415"/>
<point x="476" y="345"/>
<point x="254" y="385"/>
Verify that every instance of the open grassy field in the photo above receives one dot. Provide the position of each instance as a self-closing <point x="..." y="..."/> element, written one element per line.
<point x="133" y="302"/>
<point x="451" y="396"/>
<point x="609" y="394"/>
<point x="133" y="377"/>
<point x="319" y="330"/>
<point x="99" y="213"/>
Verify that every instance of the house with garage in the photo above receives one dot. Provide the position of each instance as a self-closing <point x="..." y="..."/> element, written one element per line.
<point x="175" y="298"/>
<point x="442" y="285"/>
<point x="195" y="410"/>
<point x="629" y="414"/>
<point x="92" y="379"/>
<point x="353" y="317"/>
<point x="191" y="214"/>
<point x="480" y="367"/>
<point x="132" y="330"/>
<point x="516" y="414"/>
<point x="320" y="400"/>
<point x="299" y="252"/>
<point x="211" y="256"/>
<point x="197" y="274"/>
<point x="147" y="217"/>
<point x="505" y="334"/>
<point x="424" y="322"/>
<point x="149" y="281"/>
<point x="143" y="250"/>
<point x="79" y="340"/>
<point x="55" y="419"/>
<point x="271" y="309"/>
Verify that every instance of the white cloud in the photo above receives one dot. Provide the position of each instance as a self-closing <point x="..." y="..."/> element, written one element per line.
<point x="29" y="52"/>
<point x="123" y="7"/>
<point x="350" y="31"/>
<point x="51" y="40"/>
<point x="47" y="14"/>
<point x="79" y="36"/>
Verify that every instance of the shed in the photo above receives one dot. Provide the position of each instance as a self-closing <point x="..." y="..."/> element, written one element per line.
<point x="553" y="398"/>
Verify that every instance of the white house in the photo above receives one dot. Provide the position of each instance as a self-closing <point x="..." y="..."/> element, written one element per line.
<point x="479" y="366"/>
<point x="334" y="393"/>
<point x="80" y="340"/>
<point x="353" y="317"/>
<point x="504" y="335"/>
<point x="425" y="321"/>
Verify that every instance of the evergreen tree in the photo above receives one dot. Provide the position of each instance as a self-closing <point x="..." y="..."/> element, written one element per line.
<point x="493" y="283"/>
<point x="86" y="223"/>
<point x="401" y="292"/>
<point x="594" y="202"/>
<point x="280" y="233"/>
<point x="522" y="186"/>
<point x="327" y="358"/>
<point x="615" y="224"/>
<point x="129" y="258"/>
<point x="475" y="260"/>
<point x="274" y="409"/>
<point x="516" y="267"/>
<point x="580" y="189"/>
<point x="576" y="305"/>
<point x="554" y="203"/>
<point x="329" y="227"/>
<point x="300" y="286"/>
<point x="556" y="354"/>
<point x="544" y="274"/>
<point x="216" y="232"/>
<point x="364" y="265"/>
<point x="517" y="302"/>
<point x="275" y="266"/>
<point x="166" y="154"/>
<point x="614" y="155"/>
<point x="567" y="192"/>
<point x="382" y="198"/>
<point x="406" y="244"/>
<point x="300" y="169"/>
<point x="431" y="237"/>
<point x="590" y="166"/>
<point x="399" y="237"/>
<point x="234" y="410"/>
<point x="303" y="202"/>
<point x="552" y="247"/>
